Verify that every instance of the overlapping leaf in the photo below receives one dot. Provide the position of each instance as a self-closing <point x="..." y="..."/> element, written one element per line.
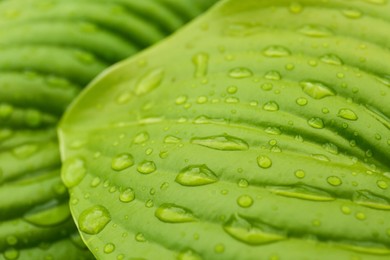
<point x="49" y="50"/>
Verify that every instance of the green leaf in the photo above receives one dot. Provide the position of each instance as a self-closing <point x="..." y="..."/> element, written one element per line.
<point x="50" y="49"/>
<point x="265" y="129"/>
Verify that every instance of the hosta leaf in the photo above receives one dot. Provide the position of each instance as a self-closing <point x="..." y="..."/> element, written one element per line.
<point x="50" y="49"/>
<point x="259" y="131"/>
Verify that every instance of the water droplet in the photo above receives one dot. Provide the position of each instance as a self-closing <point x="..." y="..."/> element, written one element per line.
<point x="221" y="142"/>
<point x="123" y="98"/>
<point x="264" y="161"/>
<point x="334" y="181"/>
<point x="95" y="182"/>
<point x="109" y="248"/>
<point x="149" y="81"/>
<point x="93" y="220"/>
<point x="273" y="75"/>
<point x="251" y="233"/>
<point x="295" y="8"/>
<point x="172" y="213"/>
<point x="149" y="203"/>
<point x="347" y="114"/>
<point x="276" y="51"/>
<point x="267" y="86"/>
<point x="73" y="171"/>
<point x="245" y="201"/>
<point x="300" y="174"/>
<point x="122" y="161"/>
<point x="196" y="175"/>
<point x="11" y="254"/>
<point x="201" y="100"/>
<point x="127" y="195"/>
<point x="331" y="59"/>
<point x="200" y="61"/>
<point x="170" y="139"/>
<point x="141" y="138"/>
<point x="271" y="106"/>
<point x="316" y="122"/>
<point x="382" y="184"/>
<point x="242" y="183"/>
<point x="315" y="31"/>
<point x="303" y="192"/>
<point x="188" y="255"/>
<point x="139" y="237"/>
<point x="316" y="90"/>
<point x="24" y="151"/>
<point x="273" y="131"/>
<point x="232" y="100"/>
<point x="352" y="13"/>
<point x="146" y="167"/>
<point x="301" y="101"/>
<point x="331" y="148"/>
<point x="360" y="216"/>
<point x="240" y="73"/>
<point x="232" y="89"/>
<point x="5" y="111"/>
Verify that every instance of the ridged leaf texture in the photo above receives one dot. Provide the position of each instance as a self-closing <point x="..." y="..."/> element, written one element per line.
<point x="259" y="131"/>
<point x="49" y="50"/>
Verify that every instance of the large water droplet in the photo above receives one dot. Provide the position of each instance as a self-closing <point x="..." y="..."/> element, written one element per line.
<point x="316" y="90"/>
<point x="146" y="167"/>
<point x="240" y="73"/>
<point x="148" y="82"/>
<point x="316" y="122"/>
<point x="93" y="220"/>
<point x="251" y="233"/>
<point x="303" y="192"/>
<point x="315" y="31"/>
<point x="200" y="61"/>
<point x="221" y="142"/>
<point x="244" y="201"/>
<point x="271" y="106"/>
<point x="347" y="114"/>
<point x="276" y="51"/>
<point x="172" y="213"/>
<point x="196" y="175"/>
<point x="127" y="195"/>
<point x="73" y="171"/>
<point x="122" y="161"/>
<point x="264" y="161"/>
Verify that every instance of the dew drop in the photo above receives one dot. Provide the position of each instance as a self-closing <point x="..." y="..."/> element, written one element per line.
<point x="188" y="255"/>
<point x="360" y="216"/>
<point x="200" y="61"/>
<point x="93" y="220"/>
<point x="267" y="86"/>
<point x="240" y="73"/>
<point x="316" y="122"/>
<point x="273" y="131"/>
<point x="276" y="51"/>
<point x="170" y="139"/>
<point x="149" y="203"/>
<point x="382" y="184"/>
<point x="346" y="210"/>
<point x="123" y="98"/>
<point x="127" y="195"/>
<point x="196" y="175"/>
<point x="139" y="237"/>
<point x="301" y="101"/>
<point x="245" y="201"/>
<point x="148" y="82"/>
<point x="231" y="89"/>
<point x="331" y="59"/>
<point x="316" y="90"/>
<point x="146" y="167"/>
<point x="271" y="106"/>
<point x="95" y="182"/>
<point x="331" y="148"/>
<point x="172" y="213"/>
<point x="264" y="161"/>
<point x="273" y="75"/>
<point x="242" y="183"/>
<point x="352" y="13"/>
<point x="122" y="161"/>
<point x="315" y="31"/>
<point x="334" y="181"/>
<point x="347" y="114"/>
<point x="221" y="142"/>
<point x="73" y="171"/>
<point x="251" y="233"/>
<point x="141" y="138"/>
<point x="300" y="174"/>
<point x="109" y="248"/>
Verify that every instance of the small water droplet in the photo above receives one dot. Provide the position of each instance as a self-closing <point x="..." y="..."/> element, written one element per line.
<point x="301" y="101"/>
<point x="264" y="161"/>
<point x="300" y="174"/>
<point x="139" y="237"/>
<point x="93" y="220"/>
<point x="240" y="73"/>
<point x="146" y="167"/>
<point x="201" y="99"/>
<point x="149" y="203"/>
<point x="331" y="148"/>
<point x="271" y="106"/>
<point x="73" y="171"/>
<point x="123" y="98"/>
<point x="331" y="59"/>
<point x="188" y="255"/>
<point x="172" y="213"/>
<point x="334" y="180"/>
<point x="180" y="100"/>
<point x="245" y="201"/>
<point x="232" y="89"/>
<point x="243" y="183"/>
<point x="109" y="248"/>
<point x="95" y="182"/>
<point x="170" y="139"/>
<point x="141" y="138"/>
<point x="196" y="175"/>
<point x="200" y="61"/>
<point x="149" y="81"/>
<point x="352" y="13"/>
<point x="127" y="195"/>
<point x="316" y="122"/>
<point x="360" y="216"/>
<point x="273" y="131"/>
<point x="122" y="161"/>
<point x="273" y="75"/>
<point x="315" y="31"/>
<point x="347" y="114"/>
<point x="316" y="90"/>
<point x="276" y="51"/>
<point x="221" y="142"/>
<point x="382" y="184"/>
<point x="267" y="86"/>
